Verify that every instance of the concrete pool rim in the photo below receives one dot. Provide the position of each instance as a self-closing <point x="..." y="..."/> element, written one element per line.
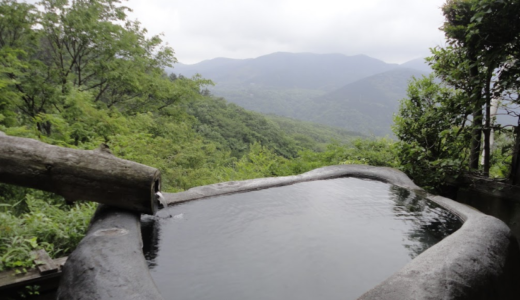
<point x="472" y="263"/>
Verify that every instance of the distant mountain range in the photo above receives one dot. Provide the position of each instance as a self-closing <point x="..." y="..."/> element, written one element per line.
<point x="358" y="93"/>
<point x="366" y="105"/>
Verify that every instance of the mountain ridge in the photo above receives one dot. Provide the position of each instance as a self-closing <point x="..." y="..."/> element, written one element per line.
<point x="366" y="105"/>
<point x="358" y="93"/>
<point x="324" y="72"/>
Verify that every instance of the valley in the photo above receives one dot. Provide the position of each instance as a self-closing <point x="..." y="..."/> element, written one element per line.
<point x="356" y="93"/>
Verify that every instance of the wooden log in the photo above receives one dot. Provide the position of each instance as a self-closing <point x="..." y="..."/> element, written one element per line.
<point x="88" y="175"/>
<point x="44" y="262"/>
<point x="12" y="280"/>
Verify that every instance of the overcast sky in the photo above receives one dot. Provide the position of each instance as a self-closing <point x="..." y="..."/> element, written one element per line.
<point x="391" y="30"/>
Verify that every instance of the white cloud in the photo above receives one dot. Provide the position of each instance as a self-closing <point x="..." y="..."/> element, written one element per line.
<point x="391" y="30"/>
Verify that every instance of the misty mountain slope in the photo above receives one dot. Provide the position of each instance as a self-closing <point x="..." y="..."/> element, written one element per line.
<point x="358" y="93"/>
<point x="216" y="69"/>
<point x="365" y="106"/>
<point x="308" y="132"/>
<point x="233" y="129"/>
<point x="282" y="102"/>
<point x="418" y="64"/>
<point x="281" y="70"/>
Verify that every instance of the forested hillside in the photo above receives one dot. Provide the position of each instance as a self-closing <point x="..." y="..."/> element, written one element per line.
<point x="80" y="74"/>
<point x="357" y="93"/>
<point x="366" y="105"/>
<point x="234" y="129"/>
<point x="313" y="135"/>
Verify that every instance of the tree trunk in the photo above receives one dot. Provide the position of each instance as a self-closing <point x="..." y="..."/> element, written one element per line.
<point x="487" y="126"/>
<point x="514" y="176"/>
<point x="91" y="175"/>
<point x="476" y="133"/>
<point x="476" y="139"/>
<point x="487" y="149"/>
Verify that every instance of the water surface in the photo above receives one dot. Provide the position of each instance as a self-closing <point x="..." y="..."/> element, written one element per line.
<point x="326" y="239"/>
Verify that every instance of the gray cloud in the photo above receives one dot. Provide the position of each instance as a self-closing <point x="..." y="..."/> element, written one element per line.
<point x="391" y="30"/>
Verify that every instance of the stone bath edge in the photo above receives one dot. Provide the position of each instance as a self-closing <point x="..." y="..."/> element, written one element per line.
<point x="388" y="175"/>
<point x="478" y="261"/>
<point x="109" y="263"/>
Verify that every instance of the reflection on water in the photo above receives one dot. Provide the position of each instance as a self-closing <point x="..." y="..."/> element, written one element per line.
<point x="429" y="223"/>
<point x="328" y="239"/>
<point x="150" y="234"/>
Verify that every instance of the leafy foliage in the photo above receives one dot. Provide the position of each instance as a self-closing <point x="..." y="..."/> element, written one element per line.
<point x="234" y="129"/>
<point x="376" y="152"/>
<point x="432" y="133"/>
<point x="312" y="135"/>
<point x="54" y="227"/>
<point x="483" y="38"/>
<point x="441" y="125"/>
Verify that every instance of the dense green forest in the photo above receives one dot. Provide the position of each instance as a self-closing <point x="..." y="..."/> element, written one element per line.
<point x="79" y="74"/>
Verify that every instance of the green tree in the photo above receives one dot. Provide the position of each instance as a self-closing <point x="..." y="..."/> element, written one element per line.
<point x="80" y="46"/>
<point x="433" y="138"/>
<point x="483" y="35"/>
<point x="16" y="36"/>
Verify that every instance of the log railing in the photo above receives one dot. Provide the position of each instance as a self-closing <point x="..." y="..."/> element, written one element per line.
<point x="88" y="175"/>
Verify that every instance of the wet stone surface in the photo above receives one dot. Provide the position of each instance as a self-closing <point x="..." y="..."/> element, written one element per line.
<point x="325" y="239"/>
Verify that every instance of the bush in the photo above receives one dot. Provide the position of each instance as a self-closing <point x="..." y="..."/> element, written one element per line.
<point x="46" y="224"/>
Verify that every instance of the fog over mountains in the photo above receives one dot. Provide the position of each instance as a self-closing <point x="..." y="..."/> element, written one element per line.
<point x="358" y="93"/>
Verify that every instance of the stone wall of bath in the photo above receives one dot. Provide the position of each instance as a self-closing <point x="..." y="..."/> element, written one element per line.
<point x="479" y="261"/>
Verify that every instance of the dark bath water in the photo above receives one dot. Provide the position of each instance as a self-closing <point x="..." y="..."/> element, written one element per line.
<point x="327" y="239"/>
